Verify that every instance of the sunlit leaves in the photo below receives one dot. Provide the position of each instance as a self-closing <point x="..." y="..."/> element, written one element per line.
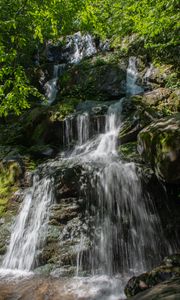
<point x="156" y="21"/>
<point x="24" y="25"/>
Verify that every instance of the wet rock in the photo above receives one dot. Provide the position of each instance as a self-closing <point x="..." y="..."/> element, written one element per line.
<point x="159" y="145"/>
<point x="164" y="291"/>
<point x="93" y="107"/>
<point x="74" y="48"/>
<point x="68" y="182"/>
<point x="164" y="272"/>
<point x="136" y="116"/>
<point x="68" y="223"/>
<point x="42" y="151"/>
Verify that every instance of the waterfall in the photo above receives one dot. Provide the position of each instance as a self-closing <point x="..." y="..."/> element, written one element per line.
<point x="30" y="226"/>
<point x="82" y="45"/>
<point x="51" y="86"/>
<point x="125" y="236"/>
<point x="83" y="125"/>
<point x="132" y="75"/>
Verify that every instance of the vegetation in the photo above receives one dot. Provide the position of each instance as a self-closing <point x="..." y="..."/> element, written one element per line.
<point x="155" y="21"/>
<point x="26" y="25"/>
<point x="8" y="177"/>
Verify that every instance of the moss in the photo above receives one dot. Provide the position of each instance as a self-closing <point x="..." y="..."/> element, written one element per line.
<point x="39" y="131"/>
<point x="8" y="184"/>
<point x="91" y="77"/>
<point x="129" y="152"/>
<point x="63" y="109"/>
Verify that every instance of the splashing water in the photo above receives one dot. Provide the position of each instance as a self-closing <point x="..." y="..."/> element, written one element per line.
<point x="30" y="227"/>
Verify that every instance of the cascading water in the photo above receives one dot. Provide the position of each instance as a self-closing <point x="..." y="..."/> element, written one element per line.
<point x="124" y="232"/>
<point x="51" y="87"/>
<point x="83" y="128"/>
<point x="132" y="75"/>
<point x="125" y="237"/>
<point x="126" y="222"/>
<point x="30" y="226"/>
<point x="83" y="46"/>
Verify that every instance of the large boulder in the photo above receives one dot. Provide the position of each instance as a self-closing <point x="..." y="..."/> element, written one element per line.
<point x="168" y="270"/>
<point x="95" y="79"/>
<point x="157" y="95"/>
<point x="159" y="145"/>
<point x="167" y="290"/>
<point x="135" y="116"/>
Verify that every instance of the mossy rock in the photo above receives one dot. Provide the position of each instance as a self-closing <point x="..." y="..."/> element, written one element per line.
<point x="136" y="115"/>
<point x="10" y="174"/>
<point x="94" y="80"/>
<point x="138" y="284"/>
<point x="128" y="152"/>
<point x="159" y="145"/>
<point x="167" y="290"/>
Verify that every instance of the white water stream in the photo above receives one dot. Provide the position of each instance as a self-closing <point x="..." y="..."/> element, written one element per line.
<point x="132" y="88"/>
<point x="30" y="227"/>
<point x="51" y="86"/>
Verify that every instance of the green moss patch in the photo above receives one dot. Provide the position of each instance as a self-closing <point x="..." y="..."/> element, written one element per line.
<point x="129" y="152"/>
<point x="9" y="176"/>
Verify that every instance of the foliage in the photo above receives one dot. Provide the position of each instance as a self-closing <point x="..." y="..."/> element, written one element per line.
<point x="26" y="25"/>
<point x="64" y="108"/>
<point x="173" y="81"/>
<point x="155" y="21"/>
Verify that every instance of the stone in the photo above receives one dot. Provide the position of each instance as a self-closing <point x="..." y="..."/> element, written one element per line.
<point x="91" y="81"/>
<point x="156" y="96"/>
<point x="135" y="116"/>
<point x="168" y="290"/>
<point x="159" y="145"/>
<point x="137" y="284"/>
<point x="128" y="152"/>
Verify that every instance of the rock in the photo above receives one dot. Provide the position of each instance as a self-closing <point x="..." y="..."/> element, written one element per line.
<point x="135" y="116"/>
<point x="68" y="232"/>
<point x="168" y="290"/>
<point x="157" y="76"/>
<point x="173" y="102"/>
<point x="159" y="145"/>
<point x="156" y="96"/>
<point x="42" y="151"/>
<point x="72" y="50"/>
<point x="88" y="80"/>
<point x="160" y="274"/>
<point x="94" y="107"/>
<point x="128" y="152"/>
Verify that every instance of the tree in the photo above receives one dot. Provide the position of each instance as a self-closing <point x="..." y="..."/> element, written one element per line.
<point x="25" y="24"/>
<point x="157" y="21"/>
